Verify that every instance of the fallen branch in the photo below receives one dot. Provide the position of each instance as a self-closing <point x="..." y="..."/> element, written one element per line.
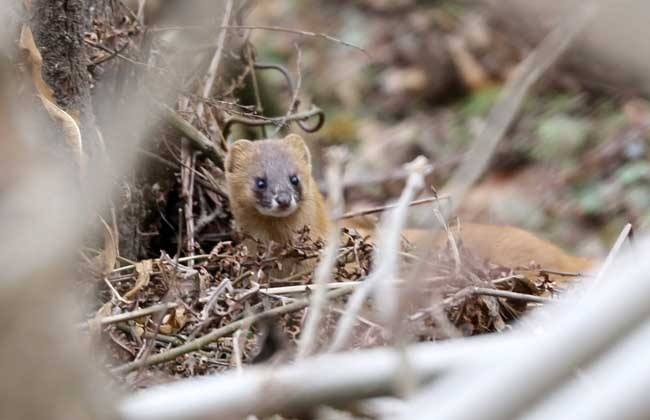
<point x="334" y="173"/>
<point x="325" y="379"/>
<point x="200" y="342"/>
<point x="127" y="316"/>
<point x="613" y="252"/>
<point x="199" y="140"/>
<point x="509" y="295"/>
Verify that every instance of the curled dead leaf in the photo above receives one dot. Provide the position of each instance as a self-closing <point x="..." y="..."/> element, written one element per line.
<point x="144" y="270"/>
<point x="71" y="132"/>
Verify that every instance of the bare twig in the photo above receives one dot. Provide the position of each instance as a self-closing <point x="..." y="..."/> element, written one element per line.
<point x="200" y="342"/>
<point x="387" y="257"/>
<point x="216" y="59"/>
<point x="287" y="290"/>
<point x="613" y="252"/>
<point x="336" y="158"/>
<point x="113" y="53"/>
<point x="199" y="140"/>
<point x="314" y="111"/>
<point x="205" y="313"/>
<point x="187" y="157"/>
<point x="300" y="32"/>
<point x="293" y="106"/>
<point x="329" y="379"/>
<point x="380" y="209"/>
<point x="509" y="295"/>
<point x="509" y="102"/>
<point x="127" y="316"/>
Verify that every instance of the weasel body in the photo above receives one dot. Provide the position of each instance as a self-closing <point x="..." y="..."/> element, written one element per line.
<point x="508" y="246"/>
<point x="273" y="195"/>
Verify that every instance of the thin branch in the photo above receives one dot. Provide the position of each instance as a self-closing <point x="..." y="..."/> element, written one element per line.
<point x="387" y="257"/>
<point x="200" y="342"/>
<point x="380" y="209"/>
<point x="336" y="157"/>
<point x="127" y="316"/>
<point x="504" y="111"/>
<point x="113" y="52"/>
<point x="199" y="140"/>
<point x="329" y="379"/>
<point x="259" y="120"/>
<point x="613" y="252"/>
<point x="293" y="106"/>
<point x="509" y="295"/>
<point x="216" y="59"/>
<point x="300" y="32"/>
<point x="287" y="290"/>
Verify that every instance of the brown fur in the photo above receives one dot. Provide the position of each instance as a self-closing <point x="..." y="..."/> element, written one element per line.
<point x="509" y="246"/>
<point x="291" y="150"/>
<point x="505" y="245"/>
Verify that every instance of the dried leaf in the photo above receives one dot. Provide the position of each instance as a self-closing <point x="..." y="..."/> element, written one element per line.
<point x="144" y="270"/>
<point x="111" y="249"/>
<point x="36" y="62"/>
<point x="71" y="132"/>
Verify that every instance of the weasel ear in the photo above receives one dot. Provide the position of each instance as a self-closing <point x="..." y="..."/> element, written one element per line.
<point x="236" y="153"/>
<point x="300" y="147"/>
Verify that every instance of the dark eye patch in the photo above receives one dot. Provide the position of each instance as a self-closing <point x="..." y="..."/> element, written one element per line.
<point x="260" y="183"/>
<point x="294" y="180"/>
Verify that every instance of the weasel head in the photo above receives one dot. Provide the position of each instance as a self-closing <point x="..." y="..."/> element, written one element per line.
<point x="271" y="177"/>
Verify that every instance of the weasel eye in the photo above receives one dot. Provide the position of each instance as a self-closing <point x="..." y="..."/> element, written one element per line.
<point x="260" y="183"/>
<point x="294" y="180"/>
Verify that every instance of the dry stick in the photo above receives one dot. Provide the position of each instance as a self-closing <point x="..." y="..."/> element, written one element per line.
<point x="504" y="111"/>
<point x="182" y="259"/>
<point x="140" y="13"/>
<point x="613" y="252"/>
<point x="236" y="350"/>
<point x="259" y="107"/>
<point x="287" y="290"/>
<point x="127" y="316"/>
<point x="563" y="273"/>
<point x="199" y="140"/>
<point x="216" y="59"/>
<point x="330" y="379"/>
<point x="387" y="255"/>
<point x="294" y="99"/>
<point x="509" y="295"/>
<point x="380" y="209"/>
<point x="583" y="333"/>
<point x="336" y="157"/>
<point x="260" y="120"/>
<point x="299" y="32"/>
<point x="147" y="334"/>
<point x="200" y="342"/>
<point x="157" y="319"/>
<point x="186" y="152"/>
<point x="205" y="313"/>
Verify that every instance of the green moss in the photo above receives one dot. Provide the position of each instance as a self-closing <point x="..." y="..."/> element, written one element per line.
<point x="559" y="138"/>
<point x="479" y="103"/>
<point x="633" y="172"/>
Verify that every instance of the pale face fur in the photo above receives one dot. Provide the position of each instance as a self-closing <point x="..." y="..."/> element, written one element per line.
<point x="270" y="186"/>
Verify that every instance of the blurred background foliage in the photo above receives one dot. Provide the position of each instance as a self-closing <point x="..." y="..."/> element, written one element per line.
<point x="574" y="165"/>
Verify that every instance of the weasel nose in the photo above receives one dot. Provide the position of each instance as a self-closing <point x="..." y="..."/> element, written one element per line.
<point x="283" y="199"/>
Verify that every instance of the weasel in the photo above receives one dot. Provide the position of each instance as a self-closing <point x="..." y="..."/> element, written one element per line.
<point x="273" y="194"/>
<point x="272" y="191"/>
